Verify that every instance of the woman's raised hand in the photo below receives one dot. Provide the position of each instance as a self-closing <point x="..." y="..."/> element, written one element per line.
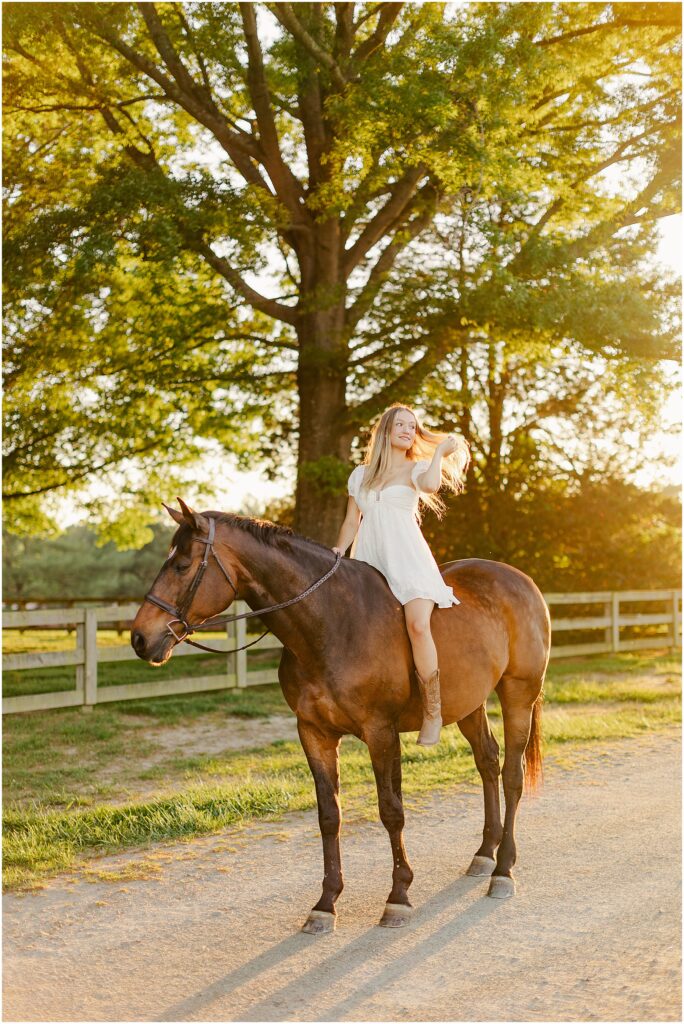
<point x="448" y="445"/>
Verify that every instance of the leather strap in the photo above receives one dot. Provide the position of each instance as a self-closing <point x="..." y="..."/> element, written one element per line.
<point x="180" y="613"/>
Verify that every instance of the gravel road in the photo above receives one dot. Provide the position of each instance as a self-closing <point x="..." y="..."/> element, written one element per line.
<point x="593" y="934"/>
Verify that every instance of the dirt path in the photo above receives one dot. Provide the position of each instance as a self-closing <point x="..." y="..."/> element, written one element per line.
<point x="593" y="934"/>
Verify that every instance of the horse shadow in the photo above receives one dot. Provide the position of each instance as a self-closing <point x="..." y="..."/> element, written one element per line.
<point x="346" y="959"/>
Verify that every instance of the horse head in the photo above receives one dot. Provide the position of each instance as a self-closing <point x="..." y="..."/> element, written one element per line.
<point x="193" y="585"/>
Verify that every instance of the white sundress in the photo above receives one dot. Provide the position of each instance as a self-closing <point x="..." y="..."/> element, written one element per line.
<point x="389" y="538"/>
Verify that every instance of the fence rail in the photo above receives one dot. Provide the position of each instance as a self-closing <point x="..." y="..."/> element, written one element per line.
<point x="238" y="673"/>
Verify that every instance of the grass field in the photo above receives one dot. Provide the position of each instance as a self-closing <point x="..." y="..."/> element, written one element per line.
<point x="132" y="773"/>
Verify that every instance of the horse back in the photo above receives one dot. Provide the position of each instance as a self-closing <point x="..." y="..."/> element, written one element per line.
<point x="500" y="592"/>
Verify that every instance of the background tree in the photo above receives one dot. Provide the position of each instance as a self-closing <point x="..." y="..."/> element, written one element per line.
<point x="559" y="440"/>
<point x="74" y="566"/>
<point x="414" y="179"/>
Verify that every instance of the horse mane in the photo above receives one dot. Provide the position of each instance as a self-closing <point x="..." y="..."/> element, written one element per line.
<point x="263" y="530"/>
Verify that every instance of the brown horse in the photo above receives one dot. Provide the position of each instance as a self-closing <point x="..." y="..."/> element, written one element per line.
<point x="346" y="668"/>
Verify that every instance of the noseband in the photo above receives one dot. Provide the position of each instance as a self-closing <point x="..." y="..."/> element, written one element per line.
<point x="181" y="613"/>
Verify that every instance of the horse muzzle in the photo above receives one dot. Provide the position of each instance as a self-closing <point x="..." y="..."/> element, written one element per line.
<point x="156" y="652"/>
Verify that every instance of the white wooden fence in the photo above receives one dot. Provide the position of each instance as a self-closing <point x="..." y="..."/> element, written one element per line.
<point x="87" y="654"/>
<point x="611" y="619"/>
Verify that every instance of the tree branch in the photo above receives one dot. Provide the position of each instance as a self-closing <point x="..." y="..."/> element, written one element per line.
<point x="287" y="18"/>
<point x="406" y="384"/>
<point x="553" y="40"/>
<point x="239" y="145"/>
<point x="655" y="215"/>
<point x="74" y="477"/>
<point x="616" y="156"/>
<point x="388" y="15"/>
<point x="146" y="161"/>
<point x="671" y="162"/>
<point x="198" y="55"/>
<point x="344" y="29"/>
<point x="405" y="345"/>
<point x="363" y="196"/>
<point x="665" y="21"/>
<point x="287" y="186"/>
<point x="542" y="128"/>
<point x="270" y="307"/>
<point x="608" y="71"/>
<point x="384" y="264"/>
<point x="118" y="105"/>
<point x="173" y="62"/>
<point x="244" y="374"/>
<point x="370" y="13"/>
<point x="376" y="228"/>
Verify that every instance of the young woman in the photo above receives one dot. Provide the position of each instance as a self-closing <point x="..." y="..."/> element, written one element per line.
<point x="406" y="464"/>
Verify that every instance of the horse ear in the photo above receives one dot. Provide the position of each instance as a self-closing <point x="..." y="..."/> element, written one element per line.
<point x="174" y="513"/>
<point x="192" y="518"/>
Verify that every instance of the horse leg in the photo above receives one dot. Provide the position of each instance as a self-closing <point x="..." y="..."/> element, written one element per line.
<point x="322" y="753"/>
<point x="517" y="710"/>
<point x="475" y="728"/>
<point x="385" y="751"/>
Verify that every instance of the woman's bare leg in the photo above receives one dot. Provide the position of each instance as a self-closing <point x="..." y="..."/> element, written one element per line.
<point x="418" y="614"/>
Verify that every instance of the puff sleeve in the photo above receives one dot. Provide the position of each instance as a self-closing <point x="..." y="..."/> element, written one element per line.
<point x="354" y="482"/>
<point x="419" y="468"/>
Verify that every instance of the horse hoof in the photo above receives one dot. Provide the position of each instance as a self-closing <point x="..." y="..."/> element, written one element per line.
<point x="501" y="887"/>
<point x="481" y="866"/>
<point x="396" y="915"/>
<point x="319" y="922"/>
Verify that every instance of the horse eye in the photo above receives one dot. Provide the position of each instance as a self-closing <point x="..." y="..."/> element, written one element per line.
<point x="180" y="568"/>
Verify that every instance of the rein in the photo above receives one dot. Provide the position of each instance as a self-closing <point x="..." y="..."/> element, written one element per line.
<point x="182" y="612"/>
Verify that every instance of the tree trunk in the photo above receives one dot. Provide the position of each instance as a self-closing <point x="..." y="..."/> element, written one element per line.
<point x="324" y="444"/>
<point x="323" y="453"/>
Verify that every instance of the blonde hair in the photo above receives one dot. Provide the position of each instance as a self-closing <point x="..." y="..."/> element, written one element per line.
<point x="378" y="459"/>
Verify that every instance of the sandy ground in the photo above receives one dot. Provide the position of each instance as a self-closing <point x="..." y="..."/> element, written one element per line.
<point x="593" y="933"/>
<point x="226" y="734"/>
<point x="204" y="737"/>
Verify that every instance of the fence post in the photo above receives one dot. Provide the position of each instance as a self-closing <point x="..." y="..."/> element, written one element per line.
<point x="615" y="622"/>
<point x="231" y="661"/>
<point x="80" y="669"/>
<point x="608" y="632"/>
<point x="241" y="640"/>
<point x="676" y="621"/>
<point x="90" y="666"/>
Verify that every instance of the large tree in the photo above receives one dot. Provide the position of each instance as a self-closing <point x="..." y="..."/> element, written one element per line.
<point x="413" y="179"/>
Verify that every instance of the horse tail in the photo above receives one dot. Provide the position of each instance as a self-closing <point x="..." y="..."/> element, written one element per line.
<point x="534" y="773"/>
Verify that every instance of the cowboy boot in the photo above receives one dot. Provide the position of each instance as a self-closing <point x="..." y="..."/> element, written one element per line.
<point x="432" y="707"/>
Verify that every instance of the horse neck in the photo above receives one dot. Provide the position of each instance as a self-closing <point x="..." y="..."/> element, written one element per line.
<point x="270" y="574"/>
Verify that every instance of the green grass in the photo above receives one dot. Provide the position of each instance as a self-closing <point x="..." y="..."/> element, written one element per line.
<point x="68" y="776"/>
<point x="630" y="662"/>
<point x="65" y="756"/>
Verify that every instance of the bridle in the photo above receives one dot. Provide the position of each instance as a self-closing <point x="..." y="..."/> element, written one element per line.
<point x="182" y="612"/>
